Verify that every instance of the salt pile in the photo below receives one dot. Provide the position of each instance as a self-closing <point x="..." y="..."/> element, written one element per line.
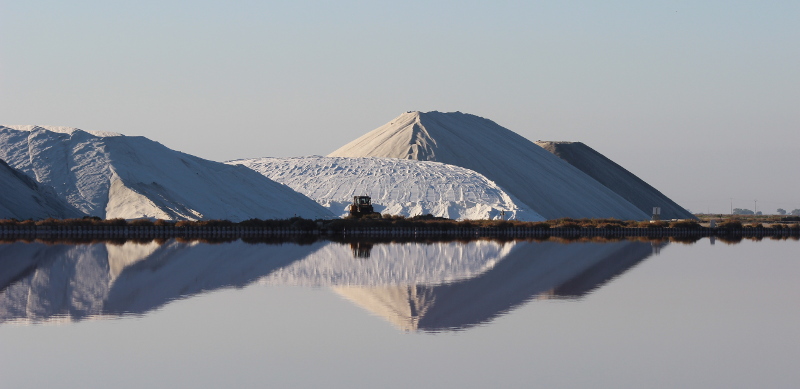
<point x="550" y="186"/>
<point x="22" y="198"/>
<point x="397" y="187"/>
<point x="616" y="178"/>
<point x="114" y="176"/>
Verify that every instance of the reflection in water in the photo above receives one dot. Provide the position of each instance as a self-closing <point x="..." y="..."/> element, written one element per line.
<point x="42" y="282"/>
<point x="361" y="249"/>
<point x="416" y="286"/>
<point x="529" y="270"/>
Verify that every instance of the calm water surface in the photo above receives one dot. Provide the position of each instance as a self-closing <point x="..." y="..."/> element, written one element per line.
<point x="478" y="314"/>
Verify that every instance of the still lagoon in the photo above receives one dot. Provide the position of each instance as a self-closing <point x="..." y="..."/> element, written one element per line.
<point x="483" y="313"/>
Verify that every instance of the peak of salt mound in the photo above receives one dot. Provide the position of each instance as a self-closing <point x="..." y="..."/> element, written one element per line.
<point x="59" y="129"/>
<point x="550" y="186"/>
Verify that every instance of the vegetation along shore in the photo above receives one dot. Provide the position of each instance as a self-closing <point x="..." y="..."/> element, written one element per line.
<point x="391" y="226"/>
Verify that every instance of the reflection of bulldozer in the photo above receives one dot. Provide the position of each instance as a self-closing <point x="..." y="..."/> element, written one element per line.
<point x="361" y="206"/>
<point x="361" y="249"/>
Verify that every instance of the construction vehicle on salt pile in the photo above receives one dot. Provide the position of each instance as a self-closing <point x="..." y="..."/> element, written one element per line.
<point x="361" y="206"/>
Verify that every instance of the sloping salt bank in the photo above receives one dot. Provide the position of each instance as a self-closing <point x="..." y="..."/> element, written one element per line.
<point x="397" y="187"/>
<point x="547" y="184"/>
<point x="115" y="176"/>
<point x="392" y="264"/>
<point x="616" y="178"/>
<point x="527" y="271"/>
<point x="22" y="198"/>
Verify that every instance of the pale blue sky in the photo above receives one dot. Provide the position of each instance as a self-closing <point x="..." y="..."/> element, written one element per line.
<point x="698" y="98"/>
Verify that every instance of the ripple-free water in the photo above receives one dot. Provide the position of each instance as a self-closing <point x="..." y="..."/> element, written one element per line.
<point x="448" y="314"/>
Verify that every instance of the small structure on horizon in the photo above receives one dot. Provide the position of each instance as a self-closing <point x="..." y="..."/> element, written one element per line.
<point x="656" y="213"/>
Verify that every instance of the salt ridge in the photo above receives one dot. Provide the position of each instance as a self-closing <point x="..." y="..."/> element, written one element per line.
<point x="22" y="198"/>
<point x="397" y="187"/>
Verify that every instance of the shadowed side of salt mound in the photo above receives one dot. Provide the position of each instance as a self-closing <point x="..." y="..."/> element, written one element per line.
<point x="133" y="177"/>
<point x="23" y="198"/>
<point x="397" y="187"/>
<point x="547" y="184"/>
<point x="62" y="282"/>
<point x="530" y="270"/>
<point x="616" y="178"/>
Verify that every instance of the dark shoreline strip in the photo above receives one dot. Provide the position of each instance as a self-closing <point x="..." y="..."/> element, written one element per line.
<point x="166" y="232"/>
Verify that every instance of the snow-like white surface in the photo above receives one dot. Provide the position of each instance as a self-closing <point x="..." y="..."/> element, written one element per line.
<point x="133" y="177"/>
<point x="60" y="129"/>
<point x="397" y="187"/>
<point x="22" y="198"/>
<point x="550" y="186"/>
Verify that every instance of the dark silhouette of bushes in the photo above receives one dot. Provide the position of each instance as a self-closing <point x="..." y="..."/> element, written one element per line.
<point x="687" y="224"/>
<point x="730" y="225"/>
<point x="685" y="239"/>
<point x="653" y="224"/>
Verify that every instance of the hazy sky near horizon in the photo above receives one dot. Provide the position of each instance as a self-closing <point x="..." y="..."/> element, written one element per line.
<point x="700" y="99"/>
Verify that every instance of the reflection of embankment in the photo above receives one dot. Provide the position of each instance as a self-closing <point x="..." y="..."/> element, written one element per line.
<point x="41" y="282"/>
<point x="529" y="270"/>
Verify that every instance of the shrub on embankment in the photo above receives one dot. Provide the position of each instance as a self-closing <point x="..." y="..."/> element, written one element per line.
<point x="730" y="225"/>
<point x="685" y="224"/>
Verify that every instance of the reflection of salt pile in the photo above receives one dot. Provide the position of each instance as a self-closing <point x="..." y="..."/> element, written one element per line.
<point x="416" y="286"/>
<point x="41" y="282"/>
<point x="397" y="186"/>
<point x="392" y="264"/>
<point x="530" y="270"/>
<point x="400" y="305"/>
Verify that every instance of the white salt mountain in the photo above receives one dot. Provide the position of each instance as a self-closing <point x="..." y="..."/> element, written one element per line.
<point x="22" y="198"/>
<point x="397" y="187"/>
<point x="616" y="178"/>
<point x="550" y="186"/>
<point x="114" y="176"/>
